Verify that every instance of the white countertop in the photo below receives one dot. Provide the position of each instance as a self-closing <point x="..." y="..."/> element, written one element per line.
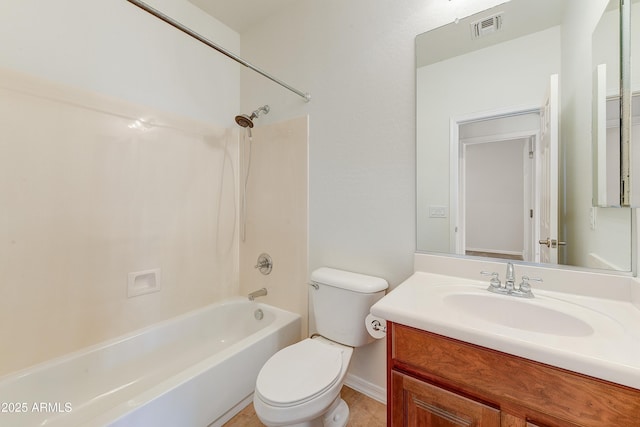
<point x="611" y="352"/>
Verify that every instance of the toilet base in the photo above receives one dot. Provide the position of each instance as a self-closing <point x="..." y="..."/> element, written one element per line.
<point x="336" y="416"/>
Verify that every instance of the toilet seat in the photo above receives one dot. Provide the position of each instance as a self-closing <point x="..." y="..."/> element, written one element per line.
<point x="299" y="373"/>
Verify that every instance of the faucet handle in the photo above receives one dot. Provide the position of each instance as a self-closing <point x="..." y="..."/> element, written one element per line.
<point x="525" y="286"/>
<point x="265" y="264"/>
<point x="495" y="279"/>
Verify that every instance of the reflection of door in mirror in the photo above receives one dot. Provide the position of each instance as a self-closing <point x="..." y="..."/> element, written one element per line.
<point x="549" y="163"/>
<point x="497" y="208"/>
<point x="504" y="180"/>
<point x="487" y="231"/>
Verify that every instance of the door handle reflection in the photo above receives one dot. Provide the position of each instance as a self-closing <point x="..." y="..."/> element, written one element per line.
<point x="551" y="243"/>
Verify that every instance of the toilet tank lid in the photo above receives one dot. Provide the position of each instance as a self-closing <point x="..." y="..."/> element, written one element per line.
<point x="347" y="280"/>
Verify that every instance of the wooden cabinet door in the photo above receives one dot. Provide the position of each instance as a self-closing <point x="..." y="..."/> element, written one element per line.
<point x="426" y="405"/>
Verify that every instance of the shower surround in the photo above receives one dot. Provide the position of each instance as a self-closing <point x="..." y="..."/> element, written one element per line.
<point x="95" y="188"/>
<point x="92" y="189"/>
<point x="277" y="213"/>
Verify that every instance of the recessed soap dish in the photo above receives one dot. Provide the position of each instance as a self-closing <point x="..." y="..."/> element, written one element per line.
<point x="143" y="282"/>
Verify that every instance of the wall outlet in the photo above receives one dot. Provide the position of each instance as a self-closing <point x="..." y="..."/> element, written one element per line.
<point x="143" y="282"/>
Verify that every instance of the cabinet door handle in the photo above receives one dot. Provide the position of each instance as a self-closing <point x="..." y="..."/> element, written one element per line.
<point x="443" y="413"/>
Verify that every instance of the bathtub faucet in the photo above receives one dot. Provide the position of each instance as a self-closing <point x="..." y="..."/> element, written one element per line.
<point x="259" y="293"/>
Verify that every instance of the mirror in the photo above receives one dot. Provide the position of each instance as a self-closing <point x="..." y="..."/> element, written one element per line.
<point x="607" y="135"/>
<point x="503" y="138"/>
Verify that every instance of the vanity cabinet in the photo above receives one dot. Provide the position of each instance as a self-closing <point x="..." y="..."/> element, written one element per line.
<point x="437" y="381"/>
<point x="428" y="405"/>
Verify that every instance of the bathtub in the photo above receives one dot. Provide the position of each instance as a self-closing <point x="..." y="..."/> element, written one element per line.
<point x="198" y="369"/>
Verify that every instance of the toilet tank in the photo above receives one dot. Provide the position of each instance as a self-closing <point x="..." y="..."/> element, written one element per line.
<point x="341" y="300"/>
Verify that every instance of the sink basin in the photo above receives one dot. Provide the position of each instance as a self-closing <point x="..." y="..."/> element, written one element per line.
<point x="592" y="335"/>
<point x="519" y="314"/>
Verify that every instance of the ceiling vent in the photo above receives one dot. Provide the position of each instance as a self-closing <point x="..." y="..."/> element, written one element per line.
<point x="486" y="26"/>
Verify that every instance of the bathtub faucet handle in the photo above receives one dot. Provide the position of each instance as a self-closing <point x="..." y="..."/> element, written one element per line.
<point x="265" y="264"/>
<point x="259" y="293"/>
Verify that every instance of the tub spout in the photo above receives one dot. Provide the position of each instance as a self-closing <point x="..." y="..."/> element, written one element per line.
<point x="259" y="293"/>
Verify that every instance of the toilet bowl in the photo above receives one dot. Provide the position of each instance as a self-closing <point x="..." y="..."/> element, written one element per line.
<point x="300" y="385"/>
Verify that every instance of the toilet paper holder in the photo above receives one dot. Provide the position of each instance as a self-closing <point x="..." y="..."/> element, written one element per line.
<point x="377" y="326"/>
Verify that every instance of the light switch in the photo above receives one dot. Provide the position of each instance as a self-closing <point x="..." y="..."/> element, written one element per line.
<point x="436" y="211"/>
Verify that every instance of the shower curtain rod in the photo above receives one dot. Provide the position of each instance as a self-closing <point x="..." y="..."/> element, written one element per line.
<point x="142" y="5"/>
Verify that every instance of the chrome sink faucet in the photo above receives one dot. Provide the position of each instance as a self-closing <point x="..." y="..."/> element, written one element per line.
<point x="523" y="290"/>
<point x="510" y="280"/>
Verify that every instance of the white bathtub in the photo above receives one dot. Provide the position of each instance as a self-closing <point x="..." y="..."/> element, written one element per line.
<point x="197" y="369"/>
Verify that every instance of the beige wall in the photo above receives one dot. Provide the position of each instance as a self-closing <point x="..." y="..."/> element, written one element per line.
<point x="86" y="197"/>
<point x="276" y="213"/>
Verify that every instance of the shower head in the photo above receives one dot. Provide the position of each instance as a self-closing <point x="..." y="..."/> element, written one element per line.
<point x="244" y="121"/>
<point x="247" y="121"/>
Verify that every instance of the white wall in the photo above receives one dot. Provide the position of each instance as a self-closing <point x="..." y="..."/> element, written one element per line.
<point x="119" y="50"/>
<point x="356" y="58"/>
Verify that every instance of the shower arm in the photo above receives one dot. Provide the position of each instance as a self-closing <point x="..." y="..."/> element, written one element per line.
<point x="142" y="5"/>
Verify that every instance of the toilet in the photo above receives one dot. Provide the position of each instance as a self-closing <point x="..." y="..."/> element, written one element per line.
<point x="300" y="385"/>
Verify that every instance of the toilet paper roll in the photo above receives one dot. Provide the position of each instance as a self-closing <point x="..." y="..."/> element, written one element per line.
<point x="376" y="326"/>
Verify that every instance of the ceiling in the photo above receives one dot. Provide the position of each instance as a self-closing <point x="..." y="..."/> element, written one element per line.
<point x="240" y="15"/>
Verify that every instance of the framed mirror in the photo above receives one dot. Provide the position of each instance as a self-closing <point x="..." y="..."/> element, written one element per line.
<point x="503" y="138"/>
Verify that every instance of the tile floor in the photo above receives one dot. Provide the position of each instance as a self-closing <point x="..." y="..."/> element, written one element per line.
<point x="363" y="412"/>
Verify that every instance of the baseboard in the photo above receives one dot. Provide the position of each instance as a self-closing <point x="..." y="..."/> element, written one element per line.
<point x="368" y="389"/>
